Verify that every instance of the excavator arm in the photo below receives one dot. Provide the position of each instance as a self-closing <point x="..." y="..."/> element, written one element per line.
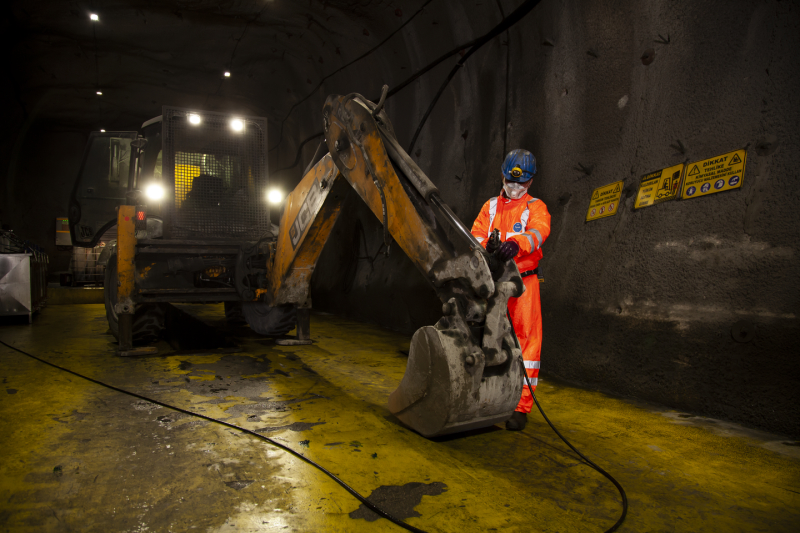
<point x="463" y="373"/>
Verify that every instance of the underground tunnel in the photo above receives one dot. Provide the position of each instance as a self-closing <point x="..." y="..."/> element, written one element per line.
<point x="250" y="278"/>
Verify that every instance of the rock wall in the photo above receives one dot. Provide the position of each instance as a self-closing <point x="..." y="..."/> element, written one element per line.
<point x="641" y="304"/>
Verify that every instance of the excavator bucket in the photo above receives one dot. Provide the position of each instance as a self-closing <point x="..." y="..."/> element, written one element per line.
<point x="445" y="392"/>
<point x="454" y="381"/>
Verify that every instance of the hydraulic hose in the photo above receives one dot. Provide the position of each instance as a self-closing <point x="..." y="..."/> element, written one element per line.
<point x="457" y="225"/>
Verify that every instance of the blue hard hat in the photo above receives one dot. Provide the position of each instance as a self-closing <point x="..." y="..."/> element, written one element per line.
<point x="519" y="166"/>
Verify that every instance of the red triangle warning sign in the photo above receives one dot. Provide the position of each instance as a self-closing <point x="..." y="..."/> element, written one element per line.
<point x="694" y="171"/>
<point x="736" y="159"/>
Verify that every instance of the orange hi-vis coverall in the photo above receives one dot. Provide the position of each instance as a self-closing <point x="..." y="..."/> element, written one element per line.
<point x="527" y="222"/>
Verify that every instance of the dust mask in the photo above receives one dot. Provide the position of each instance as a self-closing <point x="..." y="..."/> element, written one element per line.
<point x="515" y="190"/>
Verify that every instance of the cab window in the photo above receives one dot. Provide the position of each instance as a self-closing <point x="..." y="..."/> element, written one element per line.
<point x="106" y="168"/>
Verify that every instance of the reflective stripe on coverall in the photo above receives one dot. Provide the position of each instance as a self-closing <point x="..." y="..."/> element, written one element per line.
<point x="527" y="222"/>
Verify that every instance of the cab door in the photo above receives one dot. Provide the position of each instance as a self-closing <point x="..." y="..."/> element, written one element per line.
<point x="104" y="179"/>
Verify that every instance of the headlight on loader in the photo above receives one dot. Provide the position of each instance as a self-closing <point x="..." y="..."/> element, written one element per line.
<point x="154" y="191"/>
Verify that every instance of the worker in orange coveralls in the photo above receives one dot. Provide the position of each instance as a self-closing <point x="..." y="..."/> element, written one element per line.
<point x="524" y="224"/>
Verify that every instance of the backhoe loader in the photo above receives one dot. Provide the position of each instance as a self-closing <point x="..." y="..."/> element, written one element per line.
<point x="210" y="239"/>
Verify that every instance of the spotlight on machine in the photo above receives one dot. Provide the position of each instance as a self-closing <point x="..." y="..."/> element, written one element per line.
<point x="237" y="124"/>
<point x="154" y="192"/>
<point x="274" y="196"/>
<point x="194" y="118"/>
<point x="93" y="17"/>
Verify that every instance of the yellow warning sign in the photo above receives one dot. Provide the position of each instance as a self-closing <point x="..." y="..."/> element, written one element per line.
<point x="716" y="174"/>
<point x="659" y="186"/>
<point x="605" y="201"/>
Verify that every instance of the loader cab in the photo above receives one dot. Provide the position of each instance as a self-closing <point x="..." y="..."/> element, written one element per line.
<point x="215" y="173"/>
<point x="112" y="169"/>
<point x="203" y="174"/>
<point x="150" y="172"/>
<point x="105" y="177"/>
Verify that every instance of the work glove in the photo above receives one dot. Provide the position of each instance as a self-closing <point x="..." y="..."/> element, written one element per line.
<point x="507" y="250"/>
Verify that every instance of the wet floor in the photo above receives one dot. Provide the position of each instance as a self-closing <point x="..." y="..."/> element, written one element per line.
<point x="76" y="456"/>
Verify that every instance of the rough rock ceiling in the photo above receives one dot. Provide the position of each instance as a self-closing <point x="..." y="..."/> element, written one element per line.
<point x="142" y="54"/>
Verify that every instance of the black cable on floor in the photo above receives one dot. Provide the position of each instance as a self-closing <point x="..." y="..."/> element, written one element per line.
<point x="297" y="454"/>
<point x="574" y="449"/>
<point x="313" y="463"/>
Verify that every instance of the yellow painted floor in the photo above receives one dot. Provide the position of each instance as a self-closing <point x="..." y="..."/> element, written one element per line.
<point x="78" y="457"/>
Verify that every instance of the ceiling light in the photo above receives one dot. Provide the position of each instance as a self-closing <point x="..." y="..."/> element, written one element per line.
<point x="227" y="74"/>
<point x="94" y="17"/>
<point x="237" y="124"/>
<point x="274" y="196"/>
<point x="154" y="191"/>
<point x="99" y="93"/>
<point x="194" y="119"/>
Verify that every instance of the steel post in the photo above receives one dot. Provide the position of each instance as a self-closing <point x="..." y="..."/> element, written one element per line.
<point x="304" y="323"/>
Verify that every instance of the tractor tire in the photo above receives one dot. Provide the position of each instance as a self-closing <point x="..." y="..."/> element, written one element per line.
<point x="233" y="314"/>
<point x="266" y="320"/>
<point x="148" y="320"/>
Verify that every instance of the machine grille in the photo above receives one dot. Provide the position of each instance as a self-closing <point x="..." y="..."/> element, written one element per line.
<point x="215" y="171"/>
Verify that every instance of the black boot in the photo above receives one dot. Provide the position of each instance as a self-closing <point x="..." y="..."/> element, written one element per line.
<point x="517" y="421"/>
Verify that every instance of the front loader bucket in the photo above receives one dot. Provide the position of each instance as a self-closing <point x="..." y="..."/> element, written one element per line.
<point x="447" y="388"/>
